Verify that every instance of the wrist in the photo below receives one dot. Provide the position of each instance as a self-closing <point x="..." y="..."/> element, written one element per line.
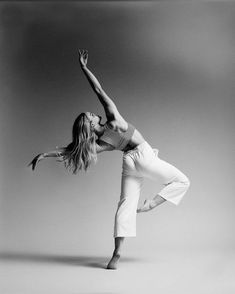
<point x="83" y="66"/>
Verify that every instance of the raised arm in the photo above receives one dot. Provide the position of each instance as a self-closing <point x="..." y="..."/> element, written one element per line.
<point x="110" y="108"/>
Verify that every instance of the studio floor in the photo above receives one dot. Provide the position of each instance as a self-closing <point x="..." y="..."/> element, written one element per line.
<point x="195" y="272"/>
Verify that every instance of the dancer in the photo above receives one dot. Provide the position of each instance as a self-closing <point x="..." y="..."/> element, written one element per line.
<point x="140" y="160"/>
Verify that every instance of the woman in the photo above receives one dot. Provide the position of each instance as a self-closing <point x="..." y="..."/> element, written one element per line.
<point x="140" y="161"/>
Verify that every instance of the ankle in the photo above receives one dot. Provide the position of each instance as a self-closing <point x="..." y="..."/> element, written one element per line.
<point x="116" y="253"/>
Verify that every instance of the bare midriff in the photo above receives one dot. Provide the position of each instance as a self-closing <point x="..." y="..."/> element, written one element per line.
<point x="135" y="140"/>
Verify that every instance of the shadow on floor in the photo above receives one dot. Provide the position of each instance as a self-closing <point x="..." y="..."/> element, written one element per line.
<point x="82" y="260"/>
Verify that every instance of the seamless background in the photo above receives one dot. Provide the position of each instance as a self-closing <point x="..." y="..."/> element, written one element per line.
<point x="169" y="67"/>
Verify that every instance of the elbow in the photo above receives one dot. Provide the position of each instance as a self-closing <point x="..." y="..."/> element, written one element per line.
<point x="98" y="90"/>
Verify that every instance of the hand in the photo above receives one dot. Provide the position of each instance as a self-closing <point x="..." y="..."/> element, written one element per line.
<point x="83" y="57"/>
<point x="36" y="159"/>
<point x="146" y="207"/>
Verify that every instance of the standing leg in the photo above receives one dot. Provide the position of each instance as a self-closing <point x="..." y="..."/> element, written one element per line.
<point x="125" y="217"/>
<point x="116" y="253"/>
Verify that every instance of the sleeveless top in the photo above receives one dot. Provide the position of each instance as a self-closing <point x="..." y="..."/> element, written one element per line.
<point x="118" y="140"/>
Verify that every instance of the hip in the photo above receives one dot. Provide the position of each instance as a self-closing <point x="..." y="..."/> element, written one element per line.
<point x="143" y="161"/>
<point x="142" y="151"/>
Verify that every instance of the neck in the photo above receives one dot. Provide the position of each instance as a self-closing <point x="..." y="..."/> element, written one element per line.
<point x="99" y="130"/>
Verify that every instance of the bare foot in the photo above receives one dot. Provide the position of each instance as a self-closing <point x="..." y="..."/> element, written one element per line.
<point x="113" y="262"/>
<point x="148" y="205"/>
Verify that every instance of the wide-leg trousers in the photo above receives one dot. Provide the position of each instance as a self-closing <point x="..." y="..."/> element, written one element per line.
<point x="139" y="163"/>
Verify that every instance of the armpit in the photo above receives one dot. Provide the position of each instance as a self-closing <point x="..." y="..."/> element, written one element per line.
<point x="103" y="146"/>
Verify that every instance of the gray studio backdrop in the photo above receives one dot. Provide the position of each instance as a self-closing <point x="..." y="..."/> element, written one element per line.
<point x="170" y="69"/>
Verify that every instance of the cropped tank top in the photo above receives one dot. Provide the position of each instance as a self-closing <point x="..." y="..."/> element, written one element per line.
<point x="118" y="140"/>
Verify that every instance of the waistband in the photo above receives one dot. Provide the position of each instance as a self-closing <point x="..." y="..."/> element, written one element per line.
<point x="139" y="147"/>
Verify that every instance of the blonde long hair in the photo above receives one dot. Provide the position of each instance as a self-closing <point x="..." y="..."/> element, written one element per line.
<point x="81" y="152"/>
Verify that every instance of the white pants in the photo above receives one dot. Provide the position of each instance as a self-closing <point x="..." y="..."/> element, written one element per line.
<point x="139" y="163"/>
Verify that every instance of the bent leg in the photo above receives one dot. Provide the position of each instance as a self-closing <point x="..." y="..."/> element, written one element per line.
<point x="175" y="191"/>
<point x="150" y="204"/>
<point x="176" y="183"/>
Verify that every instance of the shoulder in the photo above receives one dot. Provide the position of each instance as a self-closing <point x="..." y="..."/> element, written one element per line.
<point x="118" y="125"/>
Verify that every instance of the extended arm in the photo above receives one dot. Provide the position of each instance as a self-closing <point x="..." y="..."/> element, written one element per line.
<point x="108" y="104"/>
<point x="54" y="153"/>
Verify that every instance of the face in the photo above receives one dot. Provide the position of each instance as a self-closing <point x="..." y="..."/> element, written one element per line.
<point x="93" y="118"/>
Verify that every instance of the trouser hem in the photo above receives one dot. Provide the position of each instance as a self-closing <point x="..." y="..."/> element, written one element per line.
<point x="126" y="236"/>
